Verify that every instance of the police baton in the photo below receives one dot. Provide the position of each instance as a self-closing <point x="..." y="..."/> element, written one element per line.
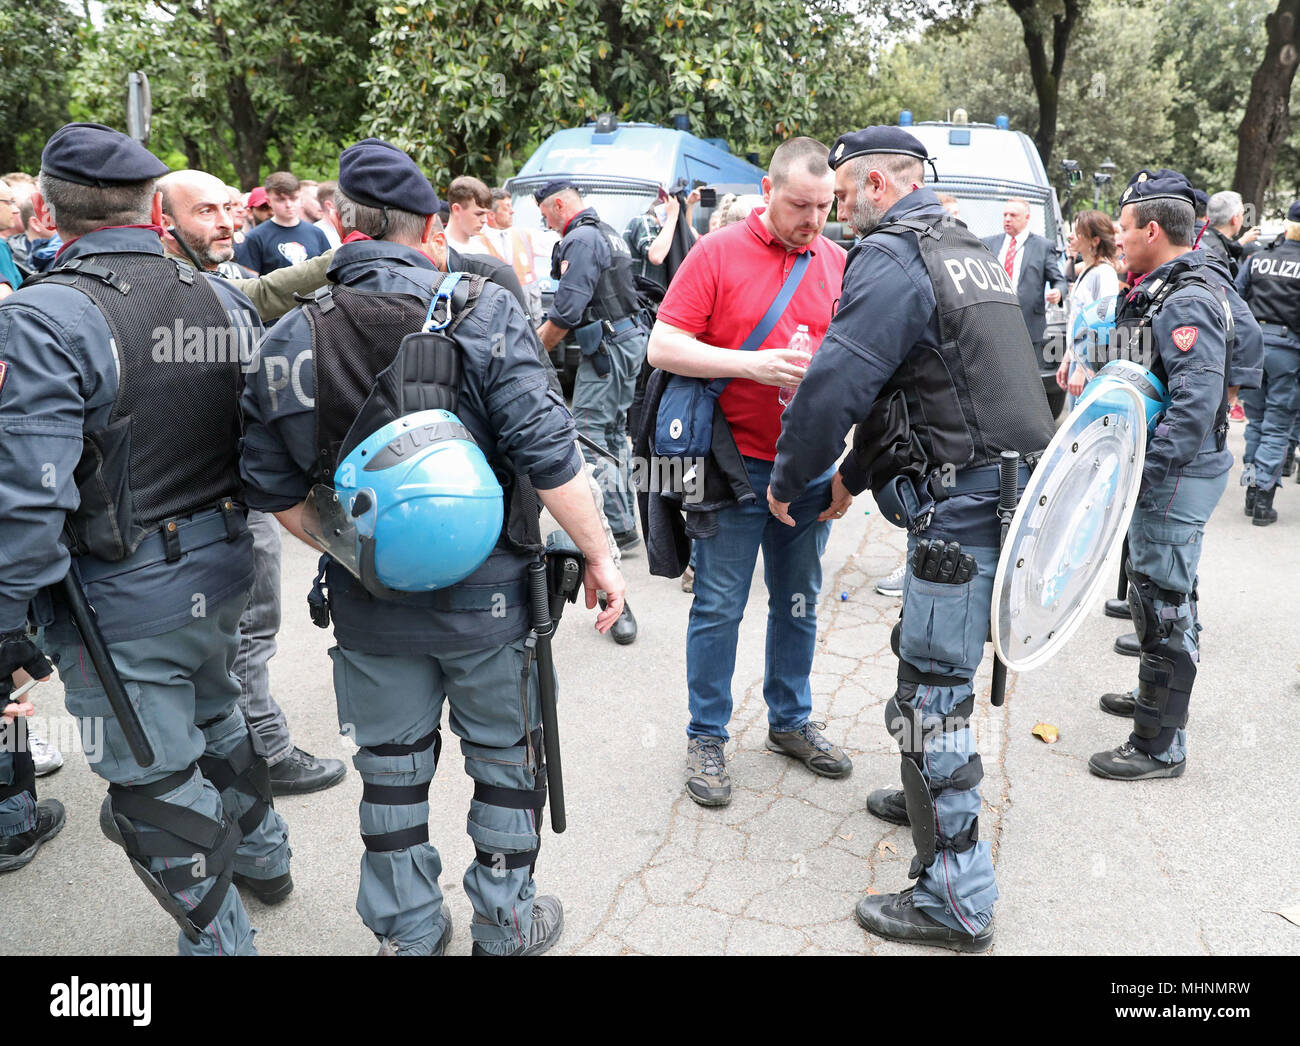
<point x="543" y="629"/>
<point x="83" y="616"/>
<point x="1008" y="496"/>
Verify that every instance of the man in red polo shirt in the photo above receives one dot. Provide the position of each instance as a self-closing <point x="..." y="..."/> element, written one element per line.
<point x="718" y="297"/>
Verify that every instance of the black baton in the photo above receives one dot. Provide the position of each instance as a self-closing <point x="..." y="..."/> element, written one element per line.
<point x="93" y="640"/>
<point x="1008" y="496"/>
<point x="543" y="625"/>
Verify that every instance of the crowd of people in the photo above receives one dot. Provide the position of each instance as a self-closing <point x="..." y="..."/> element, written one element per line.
<point x="182" y="488"/>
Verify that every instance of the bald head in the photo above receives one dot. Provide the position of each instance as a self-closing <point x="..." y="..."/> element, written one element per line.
<point x="197" y="205"/>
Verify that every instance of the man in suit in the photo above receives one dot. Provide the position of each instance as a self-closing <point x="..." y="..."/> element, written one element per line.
<point x="1031" y="263"/>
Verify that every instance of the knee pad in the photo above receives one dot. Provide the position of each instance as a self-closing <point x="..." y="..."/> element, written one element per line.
<point x="420" y="759"/>
<point x="1164" y="692"/>
<point x="1154" y="625"/>
<point x="502" y="850"/>
<point x="206" y="847"/>
<point x="243" y="771"/>
<point x="919" y="793"/>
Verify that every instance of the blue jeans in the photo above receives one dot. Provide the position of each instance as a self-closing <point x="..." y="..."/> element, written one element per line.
<point x="792" y="571"/>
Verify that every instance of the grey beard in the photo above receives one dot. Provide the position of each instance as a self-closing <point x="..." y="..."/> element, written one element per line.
<point x="865" y="216"/>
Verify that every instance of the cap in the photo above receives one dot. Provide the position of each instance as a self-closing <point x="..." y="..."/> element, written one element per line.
<point x="552" y="187"/>
<point x="378" y="174"/>
<point x="1167" y="188"/>
<point x="877" y="139"/>
<point x="1293" y="215"/>
<point x="257" y="198"/>
<point x="92" y="154"/>
<point x="1146" y="175"/>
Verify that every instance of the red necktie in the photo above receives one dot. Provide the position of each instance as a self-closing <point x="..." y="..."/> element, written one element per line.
<point x="1010" y="263"/>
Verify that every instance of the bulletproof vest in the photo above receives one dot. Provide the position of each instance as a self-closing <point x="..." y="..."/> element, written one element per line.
<point x="1138" y="311"/>
<point x="1275" y="285"/>
<point x="614" y="296"/>
<point x="355" y="338"/>
<point x="171" y="445"/>
<point x="979" y="392"/>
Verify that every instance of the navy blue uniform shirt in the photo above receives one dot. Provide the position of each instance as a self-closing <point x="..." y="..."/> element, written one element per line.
<point x="586" y="250"/>
<point x="58" y="379"/>
<point x="504" y="401"/>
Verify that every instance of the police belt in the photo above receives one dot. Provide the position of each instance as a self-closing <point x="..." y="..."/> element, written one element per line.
<point x="481" y="597"/>
<point x="982" y="480"/>
<point x="173" y="539"/>
<point x="619" y="326"/>
<point x="1279" y="330"/>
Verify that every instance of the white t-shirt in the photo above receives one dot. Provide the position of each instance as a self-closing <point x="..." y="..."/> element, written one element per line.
<point x="327" y="227"/>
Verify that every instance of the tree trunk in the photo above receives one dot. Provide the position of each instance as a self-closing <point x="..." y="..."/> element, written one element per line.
<point x="1046" y="74"/>
<point x="193" y="156"/>
<point x="1267" y="121"/>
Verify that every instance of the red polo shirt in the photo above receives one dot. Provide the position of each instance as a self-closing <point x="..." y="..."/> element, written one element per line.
<point x="723" y="289"/>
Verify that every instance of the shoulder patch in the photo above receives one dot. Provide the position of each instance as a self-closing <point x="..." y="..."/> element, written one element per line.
<point x="4" y="369"/>
<point x="1184" y="337"/>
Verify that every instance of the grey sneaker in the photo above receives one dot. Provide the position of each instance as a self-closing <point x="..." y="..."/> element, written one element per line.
<point x="812" y="749"/>
<point x="706" y="772"/>
<point x="46" y="757"/>
<point x="893" y="585"/>
<point x="548" y="924"/>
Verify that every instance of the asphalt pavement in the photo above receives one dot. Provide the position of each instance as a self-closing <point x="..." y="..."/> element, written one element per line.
<point x="1195" y="865"/>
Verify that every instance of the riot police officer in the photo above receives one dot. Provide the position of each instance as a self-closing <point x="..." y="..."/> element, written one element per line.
<point x="1270" y="282"/>
<point x="1181" y="316"/>
<point x="596" y="299"/>
<point x="119" y="372"/>
<point x="401" y="654"/>
<point x="929" y="328"/>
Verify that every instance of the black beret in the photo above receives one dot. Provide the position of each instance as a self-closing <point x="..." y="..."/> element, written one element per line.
<point x="875" y="140"/>
<point x="378" y="174"/>
<point x="1166" y="188"/>
<point x="92" y="154"/>
<point x="1201" y="199"/>
<point x="1145" y="175"/>
<point x="1293" y="215"/>
<point x="552" y="187"/>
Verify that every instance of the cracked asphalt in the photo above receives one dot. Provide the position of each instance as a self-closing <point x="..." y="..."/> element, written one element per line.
<point x="1194" y="866"/>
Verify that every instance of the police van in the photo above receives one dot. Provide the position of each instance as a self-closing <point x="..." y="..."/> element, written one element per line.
<point x="620" y="168"/>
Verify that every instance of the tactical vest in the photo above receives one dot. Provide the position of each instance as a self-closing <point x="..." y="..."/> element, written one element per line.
<point x="1275" y="285"/>
<point x="1138" y="311"/>
<point x="960" y="405"/>
<point x="171" y="445"/>
<point x="614" y="296"/>
<point x="355" y="337"/>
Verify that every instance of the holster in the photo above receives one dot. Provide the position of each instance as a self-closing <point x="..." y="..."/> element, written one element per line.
<point x="591" y="343"/>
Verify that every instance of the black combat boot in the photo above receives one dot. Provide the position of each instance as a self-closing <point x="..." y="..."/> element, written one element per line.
<point x="1118" y="704"/>
<point x="1264" y="513"/>
<point x="1251" y="492"/>
<point x="896" y="917"/>
<point x="1288" y="462"/>
<point x="1118" y="608"/>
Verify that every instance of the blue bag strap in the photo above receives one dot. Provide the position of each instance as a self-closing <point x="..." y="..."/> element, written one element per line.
<point x="443" y="293"/>
<point x="759" y="334"/>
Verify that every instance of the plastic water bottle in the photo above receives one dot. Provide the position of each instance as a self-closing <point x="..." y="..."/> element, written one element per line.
<point x="802" y="341"/>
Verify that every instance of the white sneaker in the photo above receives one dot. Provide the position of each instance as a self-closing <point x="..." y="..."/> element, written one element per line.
<point x="893" y="585"/>
<point x="46" y="757"/>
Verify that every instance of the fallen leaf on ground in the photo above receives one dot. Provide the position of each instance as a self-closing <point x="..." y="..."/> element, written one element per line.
<point x="872" y="891"/>
<point x="847" y="837"/>
<point x="1047" y="732"/>
<point x="885" y="844"/>
<point x="1291" y="915"/>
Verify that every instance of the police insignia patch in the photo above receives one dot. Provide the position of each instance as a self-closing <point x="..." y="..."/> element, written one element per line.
<point x="1184" y="338"/>
<point x="839" y="150"/>
<point x="4" y="369"/>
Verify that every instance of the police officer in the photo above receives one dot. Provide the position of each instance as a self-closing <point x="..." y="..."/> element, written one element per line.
<point x="1245" y="372"/>
<point x="1181" y="317"/>
<point x="399" y="657"/>
<point x="118" y="379"/>
<point x="1270" y="283"/>
<point x="597" y="300"/>
<point x="929" y="328"/>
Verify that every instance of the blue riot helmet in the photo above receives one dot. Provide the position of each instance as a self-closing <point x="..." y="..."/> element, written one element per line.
<point x="415" y="506"/>
<point x="1100" y="395"/>
<point x="1091" y="334"/>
